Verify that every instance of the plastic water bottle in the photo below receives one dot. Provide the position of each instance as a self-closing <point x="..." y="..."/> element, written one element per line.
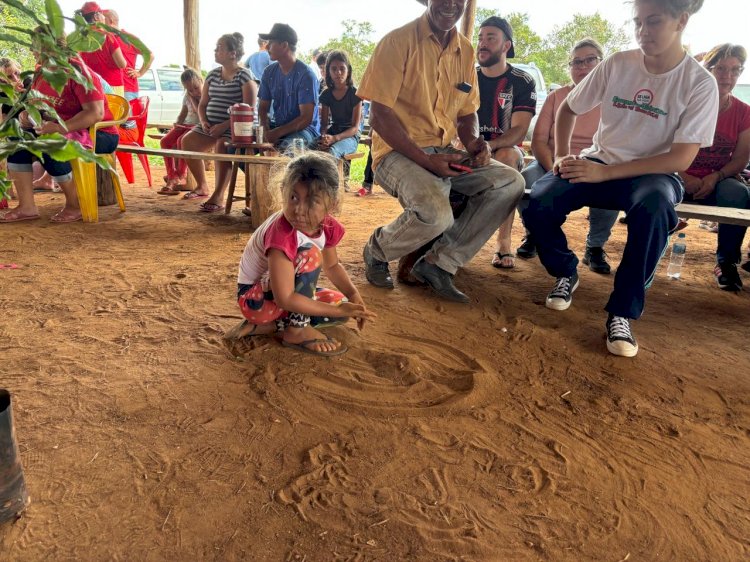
<point x="677" y="257"/>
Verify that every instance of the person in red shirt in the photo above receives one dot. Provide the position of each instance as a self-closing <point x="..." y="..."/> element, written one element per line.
<point x="713" y="177"/>
<point x="130" y="52"/>
<point x="108" y="61"/>
<point x="79" y="108"/>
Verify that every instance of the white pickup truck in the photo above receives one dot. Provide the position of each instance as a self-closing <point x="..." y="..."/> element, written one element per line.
<point x="165" y="92"/>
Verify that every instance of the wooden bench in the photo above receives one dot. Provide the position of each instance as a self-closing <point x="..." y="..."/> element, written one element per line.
<point x="157" y="136"/>
<point x="259" y="168"/>
<point x="724" y="215"/>
<point x="160" y="126"/>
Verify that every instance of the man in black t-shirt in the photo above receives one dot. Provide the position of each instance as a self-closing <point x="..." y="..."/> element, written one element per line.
<point x="507" y="104"/>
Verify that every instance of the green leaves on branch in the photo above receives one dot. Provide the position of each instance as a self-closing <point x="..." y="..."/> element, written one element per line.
<point x="21" y="7"/>
<point x="57" y="146"/>
<point x="25" y="29"/>
<point x="55" y="18"/>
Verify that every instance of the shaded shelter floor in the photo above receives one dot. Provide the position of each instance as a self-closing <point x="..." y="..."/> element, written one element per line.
<point x="495" y="431"/>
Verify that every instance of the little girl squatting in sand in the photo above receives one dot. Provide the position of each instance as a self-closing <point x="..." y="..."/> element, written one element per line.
<point x="279" y="270"/>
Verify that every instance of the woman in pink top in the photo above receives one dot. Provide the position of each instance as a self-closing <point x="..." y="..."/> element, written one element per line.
<point x="583" y="59"/>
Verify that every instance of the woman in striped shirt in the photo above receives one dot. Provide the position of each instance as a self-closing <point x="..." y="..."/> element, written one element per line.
<point x="225" y="86"/>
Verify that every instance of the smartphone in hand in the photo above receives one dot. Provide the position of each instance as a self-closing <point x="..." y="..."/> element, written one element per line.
<point x="460" y="167"/>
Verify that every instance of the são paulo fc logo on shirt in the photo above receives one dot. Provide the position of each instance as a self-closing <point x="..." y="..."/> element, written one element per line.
<point x="644" y="97"/>
<point x="504" y="98"/>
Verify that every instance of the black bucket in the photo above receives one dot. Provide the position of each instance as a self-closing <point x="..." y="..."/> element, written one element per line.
<point x="13" y="495"/>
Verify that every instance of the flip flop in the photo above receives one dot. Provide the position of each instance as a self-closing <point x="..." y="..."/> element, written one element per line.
<point x="194" y="195"/>
<point x="233" y="333"/>
<point x="15" y="216"/>
<point x="498" y="263"/>
<point x="302" y="346"/>
<point x="210" y="208"/>
<point x="59" y="218"/>
<point x="167" y="191"/>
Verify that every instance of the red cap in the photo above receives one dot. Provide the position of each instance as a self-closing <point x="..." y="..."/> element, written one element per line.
<point x="90" y="8"/>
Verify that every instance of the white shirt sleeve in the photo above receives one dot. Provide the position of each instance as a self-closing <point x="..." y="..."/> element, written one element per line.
<point x="698" y="123"/>
<point x="590" y="92"/>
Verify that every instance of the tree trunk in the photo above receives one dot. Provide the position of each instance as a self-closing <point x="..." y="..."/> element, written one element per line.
<point x="192" y="52"/>
<point x="263" y="202"/>
<point x="467" y="22"/>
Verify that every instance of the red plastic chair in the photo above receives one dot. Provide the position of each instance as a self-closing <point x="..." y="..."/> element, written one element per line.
<point x="134" y="137"/>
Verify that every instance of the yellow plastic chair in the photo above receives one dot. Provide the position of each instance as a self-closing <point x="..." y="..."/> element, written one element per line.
<point x="84" y="173"/>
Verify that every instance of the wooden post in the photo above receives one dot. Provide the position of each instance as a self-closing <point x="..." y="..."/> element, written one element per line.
<point x="467" y="22"/>
<point x="263" y="202"/>
<point x="105" y="188"/>
<point x="192" y="51"/>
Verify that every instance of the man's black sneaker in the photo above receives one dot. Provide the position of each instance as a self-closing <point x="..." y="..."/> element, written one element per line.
<point x="527" y="249"/>
<point x="561" y="294"/>
<point x="620" y="340"/>
<point x="596" y="259"/>
<point x="727" y="277"/>
<point x="376" y="271"/>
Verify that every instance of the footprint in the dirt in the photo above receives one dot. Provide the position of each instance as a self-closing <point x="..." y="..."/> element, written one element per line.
<point x="164" y="292"/>
<point x="326" y="485"/>
<point x="408" y="374"/>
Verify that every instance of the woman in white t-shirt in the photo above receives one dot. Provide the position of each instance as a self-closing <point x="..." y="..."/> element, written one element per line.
<point x="584" y="57"/>
<point x="658" y="109"/>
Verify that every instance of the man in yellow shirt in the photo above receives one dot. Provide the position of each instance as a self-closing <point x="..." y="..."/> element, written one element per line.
<point x="422" y="84"/>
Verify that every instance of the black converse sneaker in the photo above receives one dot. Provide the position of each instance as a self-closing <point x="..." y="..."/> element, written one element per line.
<point x="561" y="294"/>
<point x="620" y="340"/>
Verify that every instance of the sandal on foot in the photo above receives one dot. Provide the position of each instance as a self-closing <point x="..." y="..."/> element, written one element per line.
<point x="497" y="261"/>
<point x="303" y="346"/>
<point x="194" y="195"/>
<point x="210" y="207"/>
<point x="168" y="191"/>
<point x="234" y="332"/>
<point x="61" y="217"/>
<point x="15" y="216"/>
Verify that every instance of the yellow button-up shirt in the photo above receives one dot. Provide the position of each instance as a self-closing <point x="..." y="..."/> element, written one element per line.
<point x="412" y="74"/>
